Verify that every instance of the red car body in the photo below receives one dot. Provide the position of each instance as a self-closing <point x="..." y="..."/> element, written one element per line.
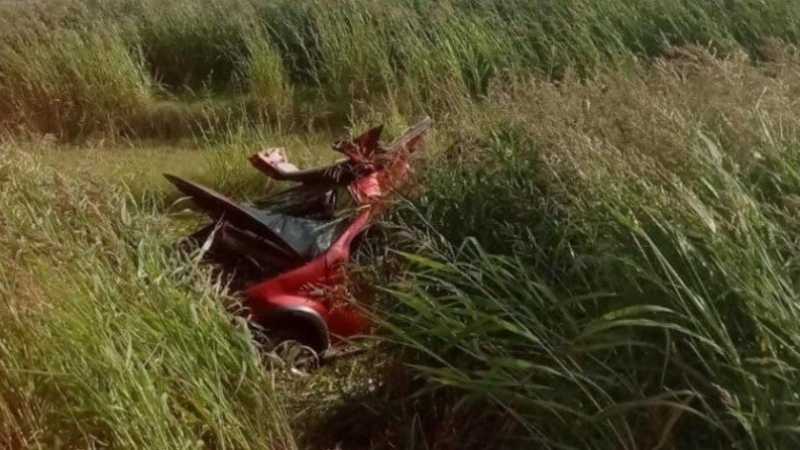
<point x="305" y="295"/>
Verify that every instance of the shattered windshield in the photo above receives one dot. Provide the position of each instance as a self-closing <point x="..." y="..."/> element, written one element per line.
<point x="317" y="201"/>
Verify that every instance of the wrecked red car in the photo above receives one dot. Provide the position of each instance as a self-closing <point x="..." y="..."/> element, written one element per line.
<point x="288" y="253"/>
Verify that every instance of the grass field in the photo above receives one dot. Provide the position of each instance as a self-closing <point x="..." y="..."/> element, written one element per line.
<point x="600" y="252"/>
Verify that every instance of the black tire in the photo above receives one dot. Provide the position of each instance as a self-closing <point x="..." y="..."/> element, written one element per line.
<point x="270" y="333"/>
<point x="293" y="344"/>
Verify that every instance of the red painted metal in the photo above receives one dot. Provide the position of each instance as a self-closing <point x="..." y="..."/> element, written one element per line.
<point x="319" y="286"/>
<point x="314" y="285"/>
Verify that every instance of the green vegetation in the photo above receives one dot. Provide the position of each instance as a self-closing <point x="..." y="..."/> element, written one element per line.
<point x="600" y="247"/>
<point x="75" y="67"/>
<point x="640" y="314"/>
<point x="109" y="341"/>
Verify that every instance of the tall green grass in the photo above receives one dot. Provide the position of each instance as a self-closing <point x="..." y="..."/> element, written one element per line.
<point x="410" y="55"/>
<point x="110" y="339"/>
<point x="199" y="44"/>
<point x="604" y="258"/>
<point x="613" y="294"/>
<point x="71" y="82"/>
<point x="606" y="263"/>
